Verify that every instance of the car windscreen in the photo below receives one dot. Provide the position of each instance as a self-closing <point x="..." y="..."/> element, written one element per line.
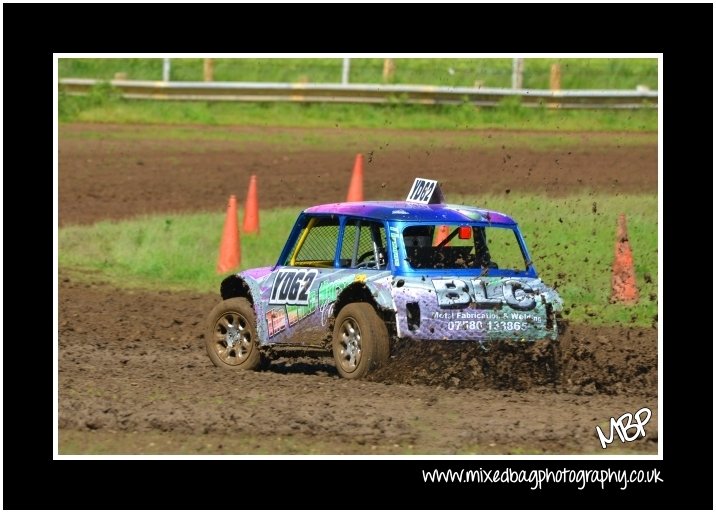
<point x="457" y="247"/>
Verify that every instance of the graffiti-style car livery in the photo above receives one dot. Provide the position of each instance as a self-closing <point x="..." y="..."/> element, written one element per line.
<point x="353" y="277"/>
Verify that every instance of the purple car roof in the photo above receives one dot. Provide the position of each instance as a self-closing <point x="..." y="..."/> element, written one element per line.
<point x="407" y="211"/>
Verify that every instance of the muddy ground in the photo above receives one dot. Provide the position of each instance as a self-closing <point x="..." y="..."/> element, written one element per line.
<point x="134" y="376"/>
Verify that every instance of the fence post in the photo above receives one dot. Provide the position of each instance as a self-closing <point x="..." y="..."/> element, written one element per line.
<point x="388" y="69"/>
<point x="208" y="70"/>
<point x="517" y="71"/>
<point x="346" y="71"/>
<point x="555" y="83"/>
<point x="166" y="68"/>
<point x="555" y="78"/>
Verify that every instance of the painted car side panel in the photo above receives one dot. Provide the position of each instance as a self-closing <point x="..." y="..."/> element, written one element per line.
<point x="450" y="308"/>
<point x="293" y="305"/>
<point x="479" y="308"/>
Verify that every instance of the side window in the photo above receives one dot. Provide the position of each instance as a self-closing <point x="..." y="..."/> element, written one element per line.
<point x="361" y="241"/>
<point x="316" y="244"/>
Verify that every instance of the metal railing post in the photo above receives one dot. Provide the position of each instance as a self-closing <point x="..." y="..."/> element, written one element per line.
<point x="517" y="70"/>
<point x="166" y="68"/>
<point x="346" y="70"/>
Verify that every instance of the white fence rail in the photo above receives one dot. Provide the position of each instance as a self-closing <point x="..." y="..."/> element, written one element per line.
<point x="365" y="93"/>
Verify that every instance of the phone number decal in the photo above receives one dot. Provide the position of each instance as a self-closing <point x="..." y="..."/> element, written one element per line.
<point x="489" y="325"/>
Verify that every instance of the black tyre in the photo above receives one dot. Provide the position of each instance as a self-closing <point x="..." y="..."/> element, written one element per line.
<point x="231" y="339"/>
<point x="360" y="341"/>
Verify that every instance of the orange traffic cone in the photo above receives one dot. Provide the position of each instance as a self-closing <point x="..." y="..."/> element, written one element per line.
<point x="623" y="277"/>
<point x="442" y="234"/>
<point x="251" y="214"/>
<point x="355" y="190"/>
<point x="230" y="248"/>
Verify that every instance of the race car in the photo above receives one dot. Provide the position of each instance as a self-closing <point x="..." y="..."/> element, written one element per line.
<point x="356" y="277"/>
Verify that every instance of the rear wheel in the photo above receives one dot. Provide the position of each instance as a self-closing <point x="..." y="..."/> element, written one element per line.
<point x="231" y="339"/>
<point x="360" y="341"/>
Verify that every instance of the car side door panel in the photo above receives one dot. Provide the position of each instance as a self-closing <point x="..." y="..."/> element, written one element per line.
<point x="298" y="303"/>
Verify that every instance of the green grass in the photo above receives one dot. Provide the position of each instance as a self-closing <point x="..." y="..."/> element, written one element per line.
<point x="171" y="251"/>
<point x="328" y="139"/>
<point x="574" y="254"/>
<point x="586" y="73"/>
<point x="103" y="107"/>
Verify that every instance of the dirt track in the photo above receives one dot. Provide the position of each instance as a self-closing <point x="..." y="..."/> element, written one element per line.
<point x="132" y="362"/>
<point x="115" y="178"/>
<point x="146" y="369"/>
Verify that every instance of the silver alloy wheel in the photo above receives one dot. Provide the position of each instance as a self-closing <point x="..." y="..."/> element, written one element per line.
<point x="350" y="351"/>
<point x="232" y="338"/>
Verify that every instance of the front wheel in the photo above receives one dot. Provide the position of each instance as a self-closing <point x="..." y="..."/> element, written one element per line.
<point x="231" y="339"/>
<point x="360" y="341"/>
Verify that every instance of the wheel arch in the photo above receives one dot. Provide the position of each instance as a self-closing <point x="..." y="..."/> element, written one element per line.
<point x="236" y="286"/>
<point x="246" y="287"/>
<point x="360" y="292"/>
